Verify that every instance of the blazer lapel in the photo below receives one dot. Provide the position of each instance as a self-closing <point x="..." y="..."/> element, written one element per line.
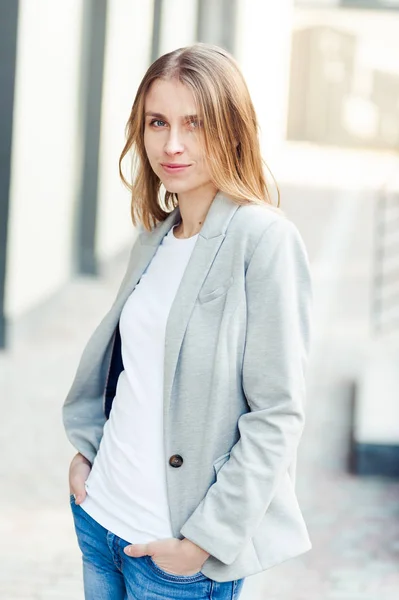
<point x="143" y="252"/>
<point x="208" y="243"/>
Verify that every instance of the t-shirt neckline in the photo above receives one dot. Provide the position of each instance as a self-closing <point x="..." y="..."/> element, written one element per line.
<point x="172" y="235"/>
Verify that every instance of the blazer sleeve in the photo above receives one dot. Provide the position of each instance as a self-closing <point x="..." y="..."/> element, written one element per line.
<point x="279" y="299"/>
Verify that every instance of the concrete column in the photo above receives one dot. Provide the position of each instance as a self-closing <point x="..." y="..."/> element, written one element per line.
<point x="178" y="26"/>
<point x="46" y="151"/>
<point x="8" y="37"/>
<point x="263" y="44"/>
<point x="217" y="23"/>
<point x="92" y="71"/>
<point x="127" y="56"/>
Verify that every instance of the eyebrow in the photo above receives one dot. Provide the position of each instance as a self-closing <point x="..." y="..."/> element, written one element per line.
<point x="161" y="116"/>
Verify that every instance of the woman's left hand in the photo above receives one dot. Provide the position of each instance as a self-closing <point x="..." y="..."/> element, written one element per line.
<point x="178" y="557"/>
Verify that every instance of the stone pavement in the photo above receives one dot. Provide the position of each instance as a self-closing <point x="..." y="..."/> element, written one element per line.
<point x="353" y="523"/>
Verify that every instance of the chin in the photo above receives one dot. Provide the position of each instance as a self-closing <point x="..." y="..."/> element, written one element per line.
<point x="175" y="188"/>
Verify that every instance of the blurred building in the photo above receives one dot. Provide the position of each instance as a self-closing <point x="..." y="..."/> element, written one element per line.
<point x="322" y="67"/>
<point x="344" y="93"/>
<point x="344" y="79"/>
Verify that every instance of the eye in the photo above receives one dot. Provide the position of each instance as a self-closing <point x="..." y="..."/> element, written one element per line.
<point x="157" y="121"/>
<point x="195" y="123"/>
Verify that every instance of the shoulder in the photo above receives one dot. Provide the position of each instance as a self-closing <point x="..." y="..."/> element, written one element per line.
<point x="255" y="223"/>
<point x="273" y="247"/>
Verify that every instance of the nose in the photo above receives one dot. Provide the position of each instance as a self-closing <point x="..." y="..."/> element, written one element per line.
<point x="174" y="144"/>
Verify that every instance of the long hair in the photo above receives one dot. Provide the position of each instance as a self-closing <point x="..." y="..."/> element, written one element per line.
<point x="230" y="132"/>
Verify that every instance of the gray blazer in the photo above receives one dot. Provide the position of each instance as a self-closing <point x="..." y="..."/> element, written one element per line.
<point x="237" y="341"/>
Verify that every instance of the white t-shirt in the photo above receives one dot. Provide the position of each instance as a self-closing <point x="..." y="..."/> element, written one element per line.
<point x="126" y="488"/>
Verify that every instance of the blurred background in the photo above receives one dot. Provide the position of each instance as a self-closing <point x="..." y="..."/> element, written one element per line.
<point x="324" y="77"/>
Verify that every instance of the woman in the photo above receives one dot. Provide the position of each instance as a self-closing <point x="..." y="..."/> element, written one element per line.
<point x="187" y="406"/>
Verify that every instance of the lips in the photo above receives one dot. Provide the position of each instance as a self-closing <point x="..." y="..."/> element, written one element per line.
<point x="174" y="165"/>
<point x="174" y="168"/>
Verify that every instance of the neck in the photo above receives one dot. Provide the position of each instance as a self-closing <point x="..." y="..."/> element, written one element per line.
<point x="193" y="210"/>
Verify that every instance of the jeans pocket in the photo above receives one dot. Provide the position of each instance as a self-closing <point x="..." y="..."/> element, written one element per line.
<point x="171" y="576"/>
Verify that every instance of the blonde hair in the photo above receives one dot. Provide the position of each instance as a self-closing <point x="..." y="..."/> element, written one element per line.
<point x="230" y="132"/>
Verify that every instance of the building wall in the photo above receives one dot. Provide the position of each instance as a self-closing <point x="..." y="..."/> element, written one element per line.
<point x="47" y="142"/>
<point x="45" y="152"/>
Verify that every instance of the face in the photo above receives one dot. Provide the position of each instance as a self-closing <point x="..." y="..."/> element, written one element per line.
<point x="172" y="136"/>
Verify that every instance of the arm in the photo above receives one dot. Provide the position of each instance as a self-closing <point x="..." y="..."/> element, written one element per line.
<point x="278" y="291"/>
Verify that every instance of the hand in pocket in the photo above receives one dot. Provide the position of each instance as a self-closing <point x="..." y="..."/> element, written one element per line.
<point x="79" y="471"/>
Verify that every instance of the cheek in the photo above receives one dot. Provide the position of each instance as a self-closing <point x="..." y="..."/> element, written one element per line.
<point x="203" y="166"/>
<point x="199" y="152"/>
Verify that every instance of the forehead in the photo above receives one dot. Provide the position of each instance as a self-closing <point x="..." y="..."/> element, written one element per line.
<point x="170" y="97"/>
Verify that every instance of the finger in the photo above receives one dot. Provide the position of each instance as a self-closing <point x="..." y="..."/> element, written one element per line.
<point x="137" y="550"/>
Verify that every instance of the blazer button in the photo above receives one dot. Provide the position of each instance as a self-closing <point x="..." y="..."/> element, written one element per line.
<point x="176" y="460"/>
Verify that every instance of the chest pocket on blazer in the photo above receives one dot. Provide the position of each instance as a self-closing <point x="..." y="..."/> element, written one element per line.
<point x="220" y="290"/>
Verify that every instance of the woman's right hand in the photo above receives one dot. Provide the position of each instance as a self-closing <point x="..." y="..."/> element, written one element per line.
<point x="79" y="471"/>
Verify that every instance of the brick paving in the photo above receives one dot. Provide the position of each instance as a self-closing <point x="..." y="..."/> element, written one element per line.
<point x="353" y="523"/>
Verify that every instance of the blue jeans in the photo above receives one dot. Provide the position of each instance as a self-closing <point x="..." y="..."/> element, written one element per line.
<point x="109" y="574"/>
